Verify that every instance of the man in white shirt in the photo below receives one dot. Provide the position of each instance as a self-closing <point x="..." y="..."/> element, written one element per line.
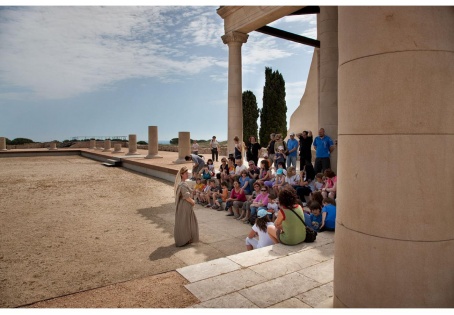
<point x="239" y="167"/>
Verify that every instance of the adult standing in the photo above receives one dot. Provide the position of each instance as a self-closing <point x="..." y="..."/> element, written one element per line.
<point x="238" y="154"/>
<point x="199" y="163"/>
<point x="186" y="229"/>
<point x="214" y="145"/>
<point x="270" y="149"/>
<point x="253" y="148"/>
<point x="279" y="142"/>
<point x="323" y="147"/>
<point x="195" y="148"/>
<point x="292" y="147"/>
<point x="306" y="140"/>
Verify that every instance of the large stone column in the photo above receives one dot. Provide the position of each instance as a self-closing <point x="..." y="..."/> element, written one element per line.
<point x="184" y="146"/>
<point x="107" y="145"/>
<point x="153" y="143"/>
<point x="328" y="66"/>
<point x="235" y="104"/>
<point x="3" y="144"/>
<point x="394" y="241"/>
<point x="92" y="144"/>
<point x="132" y="145"/>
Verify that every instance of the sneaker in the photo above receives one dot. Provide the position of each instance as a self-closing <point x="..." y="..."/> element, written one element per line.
<point x="304" y="204"/>
<point x="208" y="206"/>
<point x="215" y="207"/>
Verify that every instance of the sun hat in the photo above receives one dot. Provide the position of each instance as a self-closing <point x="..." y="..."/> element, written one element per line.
<point x="261" y="213"/>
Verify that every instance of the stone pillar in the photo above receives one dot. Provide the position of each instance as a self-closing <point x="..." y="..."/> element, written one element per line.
<point x="92" y="144"/>
<point x="328" y="66"/>
<point x="184" y="146"/>
<point x="53" y="146"/>
<point x="235" y="104"/>
<point x="394" y="241"/>
<point x="153" y="143"/>
<point x="107" y="145"/>
<point x="3" y="144"/>
<point x="132" y="145"/>
<point x="99" y="145"/>
<point x="117" y="148"/>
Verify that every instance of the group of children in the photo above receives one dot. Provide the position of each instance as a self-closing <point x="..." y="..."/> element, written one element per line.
<point x="259" y="205"/>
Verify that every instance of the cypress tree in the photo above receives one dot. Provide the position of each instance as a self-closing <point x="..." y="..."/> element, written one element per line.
<point x="250" y="116"/>
<point x="273" y="116"/>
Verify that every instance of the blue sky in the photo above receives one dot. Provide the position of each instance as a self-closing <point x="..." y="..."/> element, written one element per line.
<point x="113" y="71"/>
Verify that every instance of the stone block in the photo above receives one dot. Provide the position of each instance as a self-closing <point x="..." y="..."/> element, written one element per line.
<point x="208" y="269"/>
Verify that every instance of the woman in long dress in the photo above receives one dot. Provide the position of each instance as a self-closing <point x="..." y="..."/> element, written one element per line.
<point x="186" y="227"/>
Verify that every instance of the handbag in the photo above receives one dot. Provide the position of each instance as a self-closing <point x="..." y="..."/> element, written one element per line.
<point x="311" y="235"/>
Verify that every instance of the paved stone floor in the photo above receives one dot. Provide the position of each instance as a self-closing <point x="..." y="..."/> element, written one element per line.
<point x="276" y="276"/>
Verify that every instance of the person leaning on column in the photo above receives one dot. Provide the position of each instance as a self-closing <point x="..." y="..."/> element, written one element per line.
<point x="323" y="147"/>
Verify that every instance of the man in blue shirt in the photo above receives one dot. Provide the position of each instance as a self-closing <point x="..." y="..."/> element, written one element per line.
<point x="323" y="147"/>
<point x="292" y="147"/>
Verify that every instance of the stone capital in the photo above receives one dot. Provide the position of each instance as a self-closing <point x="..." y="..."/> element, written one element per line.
<point x="232" y="37"/>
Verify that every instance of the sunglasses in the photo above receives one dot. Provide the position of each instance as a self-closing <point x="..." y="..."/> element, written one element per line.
<point x="263" y="189"/>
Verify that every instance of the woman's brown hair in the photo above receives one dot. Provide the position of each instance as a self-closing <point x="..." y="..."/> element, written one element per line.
<point x="288" y="197"/>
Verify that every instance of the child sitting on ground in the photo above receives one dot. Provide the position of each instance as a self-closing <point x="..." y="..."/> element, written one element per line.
<point x="318" y="183"/>
<point x="205" y="172"/>
<point x="272" y="207"/>
<point x="210" y="167"/>
<point x="198" y="188"/>
<point x="211" y="193"/>
<point x="259" y="229"/>
<point x="328" y="215"/>
<point x="314" y="220"/>
<point x="220" y="197"/>
<point x="279" y="181"/>
<point x="204" y="196"/>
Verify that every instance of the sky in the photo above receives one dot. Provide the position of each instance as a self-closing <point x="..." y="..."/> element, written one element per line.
<point x="96" y="71"/>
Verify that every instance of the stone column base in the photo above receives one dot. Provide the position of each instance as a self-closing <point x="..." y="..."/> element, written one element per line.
<point x="133" y="153"/>
<point x="181" y="161"/>
<point x="153" y="156"/>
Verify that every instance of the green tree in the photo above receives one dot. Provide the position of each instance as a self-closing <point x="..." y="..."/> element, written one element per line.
<point x="21" y="141"/>
<point x="250" y="115"/>
<point x="273" y="115"/>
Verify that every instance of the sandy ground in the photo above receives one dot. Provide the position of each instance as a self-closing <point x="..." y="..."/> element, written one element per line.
<point x="68" y="224"/>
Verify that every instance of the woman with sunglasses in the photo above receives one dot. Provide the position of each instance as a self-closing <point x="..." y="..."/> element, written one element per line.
<point x="261" y="201"/>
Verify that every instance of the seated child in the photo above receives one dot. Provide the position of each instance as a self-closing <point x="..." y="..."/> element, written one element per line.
<point x="204" y="196"/>
<point x="272" y="207"/>
<point x="259" y="229"/>
<point x="220" y="197"/>
<point x="205" y="172"/>
<point x="314" y="220"/>
<point x="279" y="181"/>
<point x="318" y="183"/>
<point x="328" y="215"/>
<point x="198" y="188"/>
<point x="210" y="167"/>
<point x="213" y="189"/>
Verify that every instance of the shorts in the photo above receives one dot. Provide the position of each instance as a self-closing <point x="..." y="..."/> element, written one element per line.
<point x="220" y="200"/>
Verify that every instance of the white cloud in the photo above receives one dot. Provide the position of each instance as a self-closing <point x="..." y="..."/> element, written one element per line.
<point x="59" y="52"/>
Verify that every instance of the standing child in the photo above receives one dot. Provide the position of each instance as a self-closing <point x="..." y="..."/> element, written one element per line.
<point x="328" y="215"/>
<point x="259" y="229"/>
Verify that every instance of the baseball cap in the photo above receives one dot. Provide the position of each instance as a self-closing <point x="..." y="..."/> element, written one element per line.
<point x="292" y="133"/>
<point x="280" y="171"/>
<point x="261" y="213"/>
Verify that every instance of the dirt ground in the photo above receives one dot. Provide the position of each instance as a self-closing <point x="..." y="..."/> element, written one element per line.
<point x="68" y="225"/>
